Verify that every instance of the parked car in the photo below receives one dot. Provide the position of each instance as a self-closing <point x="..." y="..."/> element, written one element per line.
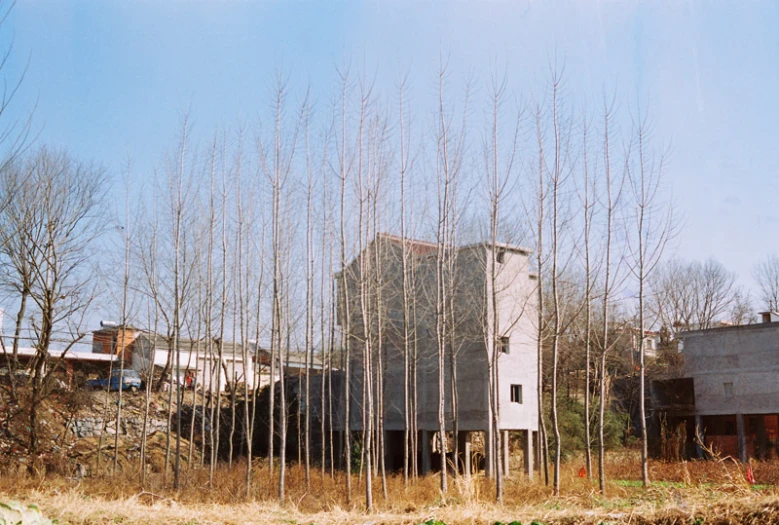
<point x="129" y="378"/>
<point x="20" y="376"/>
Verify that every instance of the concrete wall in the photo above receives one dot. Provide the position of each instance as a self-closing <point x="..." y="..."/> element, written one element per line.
<point x="207" y="369"/>
<point x="745" y="356"/>
<point x="517" y="319"/>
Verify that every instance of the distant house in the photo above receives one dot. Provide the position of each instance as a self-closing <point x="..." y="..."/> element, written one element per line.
<point x="651" y="341"/>
<point x="473" y="343"/>
<point x="728" y="395"/>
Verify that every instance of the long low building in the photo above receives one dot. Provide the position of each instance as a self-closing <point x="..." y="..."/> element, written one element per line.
<point x="202" y="363"/>
<point x="71" y="362"/>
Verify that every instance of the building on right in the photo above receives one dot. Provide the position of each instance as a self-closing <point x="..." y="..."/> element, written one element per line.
<point x="727" y="400"/>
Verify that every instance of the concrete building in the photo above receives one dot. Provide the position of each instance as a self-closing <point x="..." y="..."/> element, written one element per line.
<point x="468" y="352"/>
<point x="728" y="395"/>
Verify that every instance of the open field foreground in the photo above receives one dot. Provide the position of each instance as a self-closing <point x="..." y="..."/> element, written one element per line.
<point x="684" y="493"/>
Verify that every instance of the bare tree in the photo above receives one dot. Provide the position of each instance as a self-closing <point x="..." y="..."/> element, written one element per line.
<point x="499" y="172"/>
<point x="404" y="260"/>
<point x="123" y="342"/>
<point x="766" y="274"/>
<point x="742" y="311"/>
<point x="309" y="336"/>
<point x="277" y="161"/>
<point x="55" y="218"/>
<point x="612" y="193"/>
<point x="541" y="196"/>
<point x="588" y="208"/>
<point x="652" y="224"/>
<point x="449" y="147"/>
<point x="344" y="167"/>
<point x="692" y="295"/>
<point x="557" y="181"/>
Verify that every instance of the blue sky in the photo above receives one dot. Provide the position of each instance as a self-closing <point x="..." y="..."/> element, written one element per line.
<point x="111" y="79"/>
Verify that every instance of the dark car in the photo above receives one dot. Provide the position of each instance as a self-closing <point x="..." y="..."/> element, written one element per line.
<point x="129" y="378"/>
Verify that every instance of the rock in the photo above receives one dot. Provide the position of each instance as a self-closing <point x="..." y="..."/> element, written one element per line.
<point x="15" y="513"/>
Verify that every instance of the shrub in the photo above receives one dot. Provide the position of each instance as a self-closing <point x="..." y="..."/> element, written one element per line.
<point x="571" y="418"/>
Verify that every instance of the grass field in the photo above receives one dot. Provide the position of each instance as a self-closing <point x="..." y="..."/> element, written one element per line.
<point x="682" y="493"/>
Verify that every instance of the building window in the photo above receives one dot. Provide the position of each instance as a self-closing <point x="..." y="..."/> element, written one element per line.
<point x="500" y="256"/>
<point x="503" y="345"/>
<point x="516" y="394"/>
<point x="728" y="389"/>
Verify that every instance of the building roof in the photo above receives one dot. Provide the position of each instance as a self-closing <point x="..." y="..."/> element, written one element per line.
<point x="419" y="247"/>
<point x="727" y="328"/>
<point x="69" y="355"/>
<point x="161" y="342"/>
<point x="415" y="246"/>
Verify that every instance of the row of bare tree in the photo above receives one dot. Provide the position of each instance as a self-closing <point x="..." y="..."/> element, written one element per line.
<point x="237" y="239"/>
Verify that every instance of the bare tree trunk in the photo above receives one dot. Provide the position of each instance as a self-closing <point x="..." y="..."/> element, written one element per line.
<point x="220" y="368"/>
<point x="650" y="239"/>
<point x="277" y="170"/>
<point x="610" y="203"/>
<point x="152" y="277"/>
<point x="125" y="286"/>
<point x="587" y="207"/>
<point x="346" y="310"/>
<point x="406" y="293"/>
<point x="556" y="181"/>
<point x="542" y="449"/>
<point x="309" y="337"/>
<point x="363" y="231"/>
<point x="177" y="285"/>
<point x="497" y="180"/>
<point x="446" y="167"/>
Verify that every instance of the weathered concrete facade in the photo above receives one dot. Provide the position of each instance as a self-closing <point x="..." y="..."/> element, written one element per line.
<point x="469" y="349"/>
<point x="735" y="376"/>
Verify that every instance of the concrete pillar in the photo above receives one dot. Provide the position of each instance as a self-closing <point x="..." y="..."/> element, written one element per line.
<point x="539" y="451"/>
<point x="742" y="438"/>
<point x="464" y="445"/>
<point x="489" y="470"/>
<point x="424" y="438"/>
<point x="339" y="447"/>
<point x="698" y="436"/>
<point x="505" y="452"/>
<point x="760" y="448"/>
<point x="527" y="452"/>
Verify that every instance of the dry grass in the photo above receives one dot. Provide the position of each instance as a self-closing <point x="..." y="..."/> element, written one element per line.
<point x="683" y="493"/>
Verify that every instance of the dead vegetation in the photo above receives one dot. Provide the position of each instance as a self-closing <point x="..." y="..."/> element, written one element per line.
<point x="686" y="492"/>
<point x="715" y="491"/>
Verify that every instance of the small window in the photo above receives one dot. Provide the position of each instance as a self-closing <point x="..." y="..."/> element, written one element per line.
<point x="728" y="389"/>
<point x="503" y="345"/>
<point x="516" y="394"/>
<point x="500" y="256"/>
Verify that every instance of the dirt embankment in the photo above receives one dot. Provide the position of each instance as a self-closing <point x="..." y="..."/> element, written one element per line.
<point x="78" y="431"/>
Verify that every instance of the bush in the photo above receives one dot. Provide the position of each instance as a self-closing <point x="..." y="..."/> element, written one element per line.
<point x="570" y="415"/>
